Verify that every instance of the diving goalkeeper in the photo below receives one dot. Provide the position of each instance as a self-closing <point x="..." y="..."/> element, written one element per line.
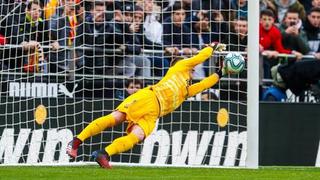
<point x="142" y="109"/>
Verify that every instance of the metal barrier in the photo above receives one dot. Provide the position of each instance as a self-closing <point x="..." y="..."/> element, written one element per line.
<point x="292" y="56"/>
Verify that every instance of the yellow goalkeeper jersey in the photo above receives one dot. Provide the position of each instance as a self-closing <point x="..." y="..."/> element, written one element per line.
<point x="175" y="86"/>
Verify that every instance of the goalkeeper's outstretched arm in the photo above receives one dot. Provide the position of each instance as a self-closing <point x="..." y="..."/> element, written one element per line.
<point x="202" y="56"/>
<point x="204" y="84"/>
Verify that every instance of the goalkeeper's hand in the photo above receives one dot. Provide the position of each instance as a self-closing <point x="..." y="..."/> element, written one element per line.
<point x="222" y="70"/>
<point x="218" y="46"/>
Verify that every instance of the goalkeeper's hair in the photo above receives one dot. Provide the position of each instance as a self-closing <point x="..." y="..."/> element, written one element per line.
<point x="175" y="60"/>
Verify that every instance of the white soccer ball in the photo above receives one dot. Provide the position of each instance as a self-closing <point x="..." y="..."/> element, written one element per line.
<point x="234" y="63"/>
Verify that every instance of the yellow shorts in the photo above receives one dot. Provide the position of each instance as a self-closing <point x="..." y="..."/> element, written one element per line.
<point x="141" y="108"/>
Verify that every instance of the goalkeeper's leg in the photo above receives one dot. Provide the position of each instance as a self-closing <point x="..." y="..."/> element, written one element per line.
<point x="95" y="127"/>
<point x="119" y="145"/>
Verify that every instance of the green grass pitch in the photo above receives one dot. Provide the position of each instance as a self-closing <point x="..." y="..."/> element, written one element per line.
<point x="153" y="173"/>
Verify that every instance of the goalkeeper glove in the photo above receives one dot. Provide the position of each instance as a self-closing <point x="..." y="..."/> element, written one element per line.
<point x="222" y="70"/>
<point x="218" y="46"/>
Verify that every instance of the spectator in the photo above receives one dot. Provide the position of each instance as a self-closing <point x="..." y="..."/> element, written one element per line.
<point x="242" y="8"/>
<point x="219" y="14"/>
<point x="176" y="34"/>
<point x="201" y="29"/>
<point x="187" y="5"/>
<point x="263" y="4"/>
<point x="99" y="35"/>
<point x="31" y="26"/>
<point x="139" y="19"/>
<point x="312" y="28"/>
<point x="63" y="32"/>
<point x="315" y="3"/>
<point x="111" y="6"/>
<point x="219" y="27"/>
<point x="131" y="87"/>
<point x="270" y="35"/>
<point x="152" y="27"/>
<point x="280" y="7"/>
<point x="296" y="76"/>
<point x="223" y="6"/>
<point x="158" y="63"/>
<point x="53" y="7"/>
<point x="238" y="38"/>
<point x="213" y="5"/>
<point x="31" y="33"/>
<point x="293" y="36"/>
<point x="200" y="37"/>
<point x="309" y="4"/>
<point x="165" y="4"/>
<point x="80" y="12"/>
<point x="134" y="63"/>
<point x="271" y="41"/>
<point x="168" y="6"/>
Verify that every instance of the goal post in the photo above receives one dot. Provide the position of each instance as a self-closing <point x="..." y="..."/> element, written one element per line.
<point x="48" y="94"/>
<point x="253" y="85"/>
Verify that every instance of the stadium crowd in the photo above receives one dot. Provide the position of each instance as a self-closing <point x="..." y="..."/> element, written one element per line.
<point x="112" y="37"/>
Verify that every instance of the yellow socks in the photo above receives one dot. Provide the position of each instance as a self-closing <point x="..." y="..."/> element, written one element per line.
<point x="122" y="144"/>
<point x="119" y="145"/>
<point x="96" y="126"/>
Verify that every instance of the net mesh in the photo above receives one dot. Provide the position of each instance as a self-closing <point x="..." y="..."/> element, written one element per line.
<point x="79" y="59"/>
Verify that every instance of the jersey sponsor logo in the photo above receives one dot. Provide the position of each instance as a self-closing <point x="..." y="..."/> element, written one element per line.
<point x="13" y="150"/>
<point x="26" y="89"/>
<point x="212" y="148"/>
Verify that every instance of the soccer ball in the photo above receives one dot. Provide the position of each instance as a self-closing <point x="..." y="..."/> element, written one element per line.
<point x="234" y="63"/>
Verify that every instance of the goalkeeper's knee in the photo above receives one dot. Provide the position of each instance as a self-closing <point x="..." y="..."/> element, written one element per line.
<point x="138" y="132"/>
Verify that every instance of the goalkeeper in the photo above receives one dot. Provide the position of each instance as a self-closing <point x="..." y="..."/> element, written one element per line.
<point x="142" y="109"/>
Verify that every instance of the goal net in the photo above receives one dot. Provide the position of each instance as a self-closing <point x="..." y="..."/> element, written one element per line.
<point x="64" y="63"/>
